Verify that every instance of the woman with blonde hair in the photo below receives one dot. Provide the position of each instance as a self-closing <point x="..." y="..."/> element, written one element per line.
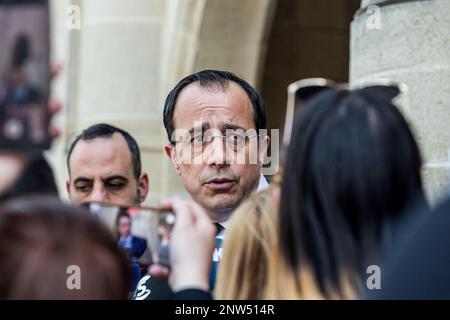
<point x="252" y="268"/>
<point x="250" y="249"/>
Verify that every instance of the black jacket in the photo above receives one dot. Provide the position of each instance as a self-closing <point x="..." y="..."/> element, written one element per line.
<point x="419" y="268"/>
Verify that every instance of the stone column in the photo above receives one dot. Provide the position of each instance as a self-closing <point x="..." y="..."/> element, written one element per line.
<point x="126" y="56"/>
<point x="113" y="70"/>
<point x="409" y="41"/>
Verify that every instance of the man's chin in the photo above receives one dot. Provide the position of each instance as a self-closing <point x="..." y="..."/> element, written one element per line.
<point x="221" y="210"/>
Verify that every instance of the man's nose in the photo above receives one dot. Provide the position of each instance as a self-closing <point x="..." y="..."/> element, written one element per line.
<point x="216" y="153"/>
<point x="98" y="194"/>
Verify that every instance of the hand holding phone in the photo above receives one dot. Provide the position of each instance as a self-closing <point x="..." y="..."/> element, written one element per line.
<point x="181" y="226"/>
<point x="193" y="240"/>
<point x="130" y="225"/>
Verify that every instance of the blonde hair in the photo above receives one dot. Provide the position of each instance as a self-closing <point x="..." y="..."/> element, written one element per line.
<point x="252" y="267"/>
<point x="245" y="269"/>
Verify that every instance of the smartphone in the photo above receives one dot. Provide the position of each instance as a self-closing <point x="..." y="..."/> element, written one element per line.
<point x="24" y="75"/>
<point x="154" y="225"/>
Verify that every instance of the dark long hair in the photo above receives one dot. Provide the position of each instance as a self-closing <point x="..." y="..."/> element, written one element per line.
<point x="353" y="166"/>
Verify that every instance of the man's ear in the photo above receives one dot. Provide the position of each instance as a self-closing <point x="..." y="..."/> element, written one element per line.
<point x="144" y="186"/>
<point x="171" y="153"/>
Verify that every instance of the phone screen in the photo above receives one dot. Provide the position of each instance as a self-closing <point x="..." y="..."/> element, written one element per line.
<point x="130" y="223"/>
<point x="24" y="75"/>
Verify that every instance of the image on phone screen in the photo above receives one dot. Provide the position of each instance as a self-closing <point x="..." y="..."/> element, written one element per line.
<point x="24" y="75"/>
<point x="131" y="226"/>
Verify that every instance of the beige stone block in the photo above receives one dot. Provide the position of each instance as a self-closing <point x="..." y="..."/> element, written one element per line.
<point x="119" y="69"/>
<point x="412" y="46"/>
<point x="100" y="10"/>
<point x="411" y="34"/>
<point x="436" y="183"/>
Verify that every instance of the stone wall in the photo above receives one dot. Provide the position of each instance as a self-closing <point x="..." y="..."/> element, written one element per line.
<point x="411" y="44"/>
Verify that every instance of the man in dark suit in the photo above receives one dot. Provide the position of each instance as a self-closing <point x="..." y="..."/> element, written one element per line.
<point x="133" y="245"/>
<point x="200" y="104"/>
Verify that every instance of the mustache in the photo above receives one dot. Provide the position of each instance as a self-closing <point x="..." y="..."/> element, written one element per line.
<point x="228" y="174"/>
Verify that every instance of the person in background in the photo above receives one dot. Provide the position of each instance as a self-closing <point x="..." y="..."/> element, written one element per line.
<point x="133" y="245"/>
<point x="104" y="165"/>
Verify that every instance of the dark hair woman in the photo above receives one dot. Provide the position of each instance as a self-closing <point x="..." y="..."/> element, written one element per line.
<point x="353" y="170"/>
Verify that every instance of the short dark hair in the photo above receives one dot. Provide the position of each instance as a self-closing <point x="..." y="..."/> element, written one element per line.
<point x="211" y="79"/>
<point x="353" y="169"/>
<point x="103" y="130"/>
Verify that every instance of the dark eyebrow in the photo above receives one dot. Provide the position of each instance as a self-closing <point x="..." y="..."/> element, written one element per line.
<point x="116" y="177"/>
<point x="227" y="126"/>
<point x="204" y="126"/>
<point x="82" y="179"/>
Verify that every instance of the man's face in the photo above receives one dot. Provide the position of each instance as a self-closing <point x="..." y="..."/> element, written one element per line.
<point x="124" y="226"/>
<point x="101" y="170"/>
<point x="213" y="177"/>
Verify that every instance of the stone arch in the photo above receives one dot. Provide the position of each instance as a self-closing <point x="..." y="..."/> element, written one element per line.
<point x="411" y="46"/>
<point x="308" y="38"/>
<point x="212" y="34"/>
